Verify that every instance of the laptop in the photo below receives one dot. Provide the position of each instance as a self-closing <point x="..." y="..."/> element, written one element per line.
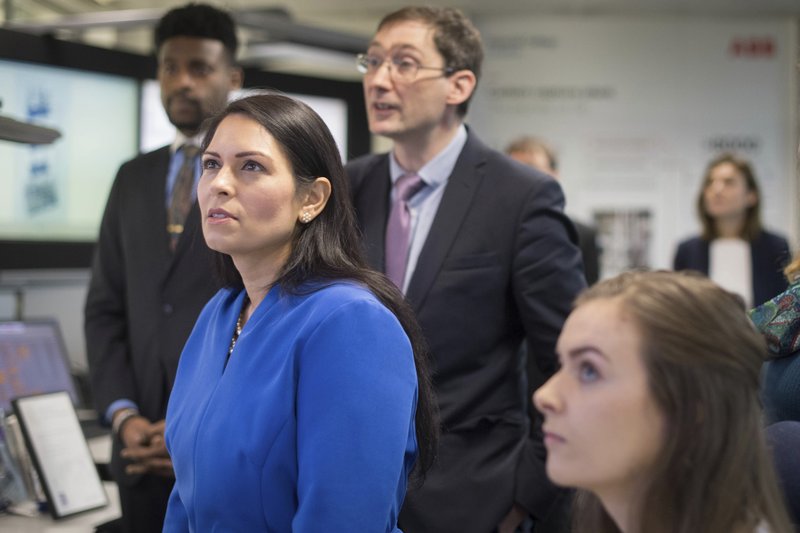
<point x="33" y="360"/>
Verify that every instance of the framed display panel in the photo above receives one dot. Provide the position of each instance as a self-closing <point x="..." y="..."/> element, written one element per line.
<point x="60" y="454"/>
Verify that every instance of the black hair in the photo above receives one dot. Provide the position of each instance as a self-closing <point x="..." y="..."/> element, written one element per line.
<point x="198" y="20"/>
<point x="329" y="247"/>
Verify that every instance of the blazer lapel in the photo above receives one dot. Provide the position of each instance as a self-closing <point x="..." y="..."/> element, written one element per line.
<point x="456" y="200"/>
<point x="372" y="204"/>
<point x="703" y="257"/>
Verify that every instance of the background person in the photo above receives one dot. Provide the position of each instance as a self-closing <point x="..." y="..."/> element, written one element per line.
<point x="302" y="398"/>
<point x="779" y="321"/>
<point x="655" y="414"/>
<point x="734" y="250"/>
<point x="151" y="273"/>
<point x="482" y="249"/>
<point x="536" y="153"/>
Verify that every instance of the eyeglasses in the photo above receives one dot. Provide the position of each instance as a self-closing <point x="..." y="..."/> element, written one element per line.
<point x="400" y="68"/>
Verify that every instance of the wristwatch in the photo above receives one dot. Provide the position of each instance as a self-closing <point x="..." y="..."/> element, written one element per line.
<point x="119" y="419"/>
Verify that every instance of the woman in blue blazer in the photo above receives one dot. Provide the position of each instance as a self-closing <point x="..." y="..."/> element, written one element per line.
<point x="302" y="400"/>
<point x="729" y="210"/>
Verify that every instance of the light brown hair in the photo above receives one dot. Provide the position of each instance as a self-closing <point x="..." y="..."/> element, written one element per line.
<point x="703" y="358"/>
<point x="792" y="270"/>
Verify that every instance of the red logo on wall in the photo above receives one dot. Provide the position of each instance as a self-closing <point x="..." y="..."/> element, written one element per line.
<point x="752" y="47"/>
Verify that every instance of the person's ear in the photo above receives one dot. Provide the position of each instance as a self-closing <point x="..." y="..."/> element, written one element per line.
<point x="236" y="80"/>
<point x="315" y="198"/>
<point x="462" y="85"/>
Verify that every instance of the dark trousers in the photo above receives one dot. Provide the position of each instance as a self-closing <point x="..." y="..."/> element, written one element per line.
<point x="143" y="498"/>
<point x="144" y="504"/>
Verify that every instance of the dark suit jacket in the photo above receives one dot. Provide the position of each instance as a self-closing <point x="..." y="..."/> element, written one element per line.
<point x="498" y="265"/>
<point x="590" y="251"/>
<point x="769" y="252"/>
<point x="143" y="299"/>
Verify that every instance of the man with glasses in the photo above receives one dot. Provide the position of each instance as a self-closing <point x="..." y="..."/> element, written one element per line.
<point x="481" y="248"/>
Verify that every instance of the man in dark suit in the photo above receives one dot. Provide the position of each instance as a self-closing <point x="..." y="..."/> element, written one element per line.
<point x="534" y="152"/>
<point x="151" y="274"/>
<point x="486" y="257"/>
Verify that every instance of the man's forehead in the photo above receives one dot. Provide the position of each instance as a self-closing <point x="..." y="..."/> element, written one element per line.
<point x="186" y="46"/>
<point x="404" y="33"/>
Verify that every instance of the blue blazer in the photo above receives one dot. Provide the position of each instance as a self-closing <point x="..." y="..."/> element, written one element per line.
<point x="770" y="253"/>
<point x="310" y="425"/>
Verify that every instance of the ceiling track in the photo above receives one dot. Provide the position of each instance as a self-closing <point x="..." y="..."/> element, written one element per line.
<point x="274" y="25"/>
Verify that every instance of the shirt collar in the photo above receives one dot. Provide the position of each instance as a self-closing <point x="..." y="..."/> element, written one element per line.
<point x="436" y="171"/>
<point x="181" y="139"/>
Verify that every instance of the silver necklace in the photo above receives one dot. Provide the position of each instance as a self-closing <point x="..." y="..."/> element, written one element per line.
<point x="238" y="330"/>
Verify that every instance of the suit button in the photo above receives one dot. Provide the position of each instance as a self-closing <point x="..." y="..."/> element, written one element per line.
<point x="167" y="309"/>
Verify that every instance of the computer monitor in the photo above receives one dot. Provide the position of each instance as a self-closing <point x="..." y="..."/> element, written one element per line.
<point x="33" y="360"/>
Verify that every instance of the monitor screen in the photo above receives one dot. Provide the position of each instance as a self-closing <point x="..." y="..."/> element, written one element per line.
<point x="157" y="131"/>
<point x="33" y="360"/>
<point x="58" y="191"/>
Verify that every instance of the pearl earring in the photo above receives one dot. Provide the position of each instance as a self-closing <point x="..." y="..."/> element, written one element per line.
<point x="305" y="218"/>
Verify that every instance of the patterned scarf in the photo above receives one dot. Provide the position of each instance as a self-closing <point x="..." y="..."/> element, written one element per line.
<point x="779" y="321"/>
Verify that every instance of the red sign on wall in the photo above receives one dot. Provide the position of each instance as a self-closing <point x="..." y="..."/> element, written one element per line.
<point x="752" y="47"/>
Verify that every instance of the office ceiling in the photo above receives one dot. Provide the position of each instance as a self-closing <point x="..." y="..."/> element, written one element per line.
<point x="321" y="36"/>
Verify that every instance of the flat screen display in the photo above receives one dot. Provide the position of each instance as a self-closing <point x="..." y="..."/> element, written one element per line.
<point x="157" y="130"/>
<point x="57" y="192"/>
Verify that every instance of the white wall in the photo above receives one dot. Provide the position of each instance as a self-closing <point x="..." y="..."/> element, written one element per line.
<point x="637" y="106"/>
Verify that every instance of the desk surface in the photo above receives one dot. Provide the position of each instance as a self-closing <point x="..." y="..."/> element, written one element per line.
<point x="100" y="448"/>
<point x="82" y="523"/>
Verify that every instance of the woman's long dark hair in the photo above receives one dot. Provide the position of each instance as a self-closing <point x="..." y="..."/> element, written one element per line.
<point x="330" y="247"/>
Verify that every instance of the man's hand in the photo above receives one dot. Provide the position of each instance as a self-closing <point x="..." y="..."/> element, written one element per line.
<point x="513" y="519"/>
<point x="144" y="446"/>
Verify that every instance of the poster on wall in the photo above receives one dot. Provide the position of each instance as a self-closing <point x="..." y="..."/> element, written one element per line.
<point x="625" y="237"/>
<point x="635" y="107"/>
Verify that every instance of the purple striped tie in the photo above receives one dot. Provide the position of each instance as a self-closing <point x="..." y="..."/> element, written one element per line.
<point x="399" y="226"/>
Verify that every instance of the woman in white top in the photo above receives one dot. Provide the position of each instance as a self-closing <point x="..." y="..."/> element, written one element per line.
<point x="654" y="414"/>
<point x="734" y="250"/>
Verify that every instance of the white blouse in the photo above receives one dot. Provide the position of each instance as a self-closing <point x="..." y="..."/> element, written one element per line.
<point x="730" y="266"/>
